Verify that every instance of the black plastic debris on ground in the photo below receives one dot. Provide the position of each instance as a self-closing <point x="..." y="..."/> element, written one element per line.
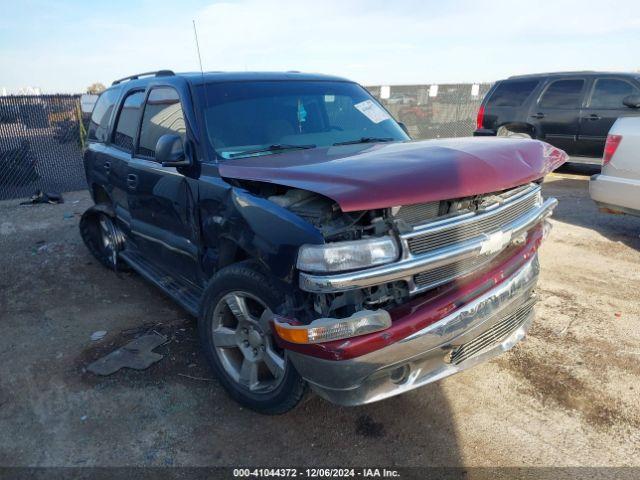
<point x="41" y="197"/>
<point x="136" y="354"/>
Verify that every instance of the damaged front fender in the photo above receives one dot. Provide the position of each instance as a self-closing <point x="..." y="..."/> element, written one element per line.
<point x="263" y="230"/>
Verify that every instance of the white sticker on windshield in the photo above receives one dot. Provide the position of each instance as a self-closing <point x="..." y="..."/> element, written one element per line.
<point x="372" y="111"/>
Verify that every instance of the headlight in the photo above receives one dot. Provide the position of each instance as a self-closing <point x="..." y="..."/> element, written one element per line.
<point x="339" y="256"/>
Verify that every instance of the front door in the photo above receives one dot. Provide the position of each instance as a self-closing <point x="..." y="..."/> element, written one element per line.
<point x="603" y="108"/>
<point x="162" y="199"/>
<point x="556" y="114"/>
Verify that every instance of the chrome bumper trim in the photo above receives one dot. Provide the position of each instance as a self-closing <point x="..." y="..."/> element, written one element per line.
<point x="405" y="269"/>
<point x="422" y="355"/>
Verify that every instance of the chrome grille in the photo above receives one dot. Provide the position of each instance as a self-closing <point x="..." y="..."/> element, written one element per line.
<point x="417" y="214"/>
<point x="497" y="333"/>
<point x="456" y="231"/>
<point x="446" y="273"/>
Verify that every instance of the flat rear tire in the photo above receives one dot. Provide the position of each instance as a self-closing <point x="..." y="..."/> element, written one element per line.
<point x="102" y="236"/>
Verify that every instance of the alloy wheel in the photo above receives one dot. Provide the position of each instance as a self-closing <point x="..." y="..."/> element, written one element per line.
<point x="110" y="238"/>
<point x="242" y="339"/>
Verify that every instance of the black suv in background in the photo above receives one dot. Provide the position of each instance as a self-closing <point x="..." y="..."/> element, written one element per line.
<point x="572" y="110"/>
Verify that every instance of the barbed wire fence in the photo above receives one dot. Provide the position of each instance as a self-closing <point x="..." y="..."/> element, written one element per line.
<point x="42" y="137"/>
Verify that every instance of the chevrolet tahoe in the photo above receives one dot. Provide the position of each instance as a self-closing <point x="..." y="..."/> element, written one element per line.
<point x="316" y="243"/>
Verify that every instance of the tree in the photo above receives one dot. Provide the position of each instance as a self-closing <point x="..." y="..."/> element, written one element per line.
<point x="96" y="88"/>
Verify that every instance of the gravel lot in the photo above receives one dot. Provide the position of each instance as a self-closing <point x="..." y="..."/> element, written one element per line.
<point x="568" y="395"/>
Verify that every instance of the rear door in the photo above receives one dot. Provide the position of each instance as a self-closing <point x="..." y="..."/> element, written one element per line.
<point x="162" y="199"/>
<point x="556" y="114"/>
<point x="98" y="160"/>
<point x="120" y="151"/>
<point x="603" y="107"/>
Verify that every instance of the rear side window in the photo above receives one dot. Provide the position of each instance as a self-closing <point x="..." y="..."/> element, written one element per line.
<point x="609" y="93"/>
<point x="512" y="93"/>
<point x="563" y="94"/>
<point x="128" y="121"/>
<point x="162" y="115"/>
<point x="99" y="124"/>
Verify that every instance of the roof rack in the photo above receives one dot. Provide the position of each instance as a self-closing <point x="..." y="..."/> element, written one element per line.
<point x="159" y="73"/>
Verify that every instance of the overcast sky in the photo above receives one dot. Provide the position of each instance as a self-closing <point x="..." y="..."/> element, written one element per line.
<point x="63" y="46"/>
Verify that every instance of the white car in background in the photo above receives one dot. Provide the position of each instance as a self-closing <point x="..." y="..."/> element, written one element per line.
<point x="617" y="188"/>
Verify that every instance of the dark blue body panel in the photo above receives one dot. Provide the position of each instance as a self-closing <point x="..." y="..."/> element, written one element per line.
<point x="189" y="220"/>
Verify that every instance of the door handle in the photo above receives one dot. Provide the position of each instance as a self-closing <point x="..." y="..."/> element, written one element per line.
<point x="132" y="181"/>
<point x="107" y="166"/>
<point x="593" y="116"/>
<point x="538" y="115"/>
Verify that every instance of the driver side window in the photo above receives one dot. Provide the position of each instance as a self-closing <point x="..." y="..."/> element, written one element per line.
<point x="163" y="114"/>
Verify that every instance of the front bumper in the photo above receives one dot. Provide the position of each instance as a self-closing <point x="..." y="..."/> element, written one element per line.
<point x="477" y="331"/>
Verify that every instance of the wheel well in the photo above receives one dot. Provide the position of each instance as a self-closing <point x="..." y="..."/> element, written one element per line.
<point x="231" y="253"/>
<point x="226" y="254"/>
<point x="100" y="195"/>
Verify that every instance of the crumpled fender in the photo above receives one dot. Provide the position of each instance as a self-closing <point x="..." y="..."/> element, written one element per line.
<point x="267" y="232"/>
<point x="273" y="233"/>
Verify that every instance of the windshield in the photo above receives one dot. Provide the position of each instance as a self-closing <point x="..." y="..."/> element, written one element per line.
<point x="264" y="117"/>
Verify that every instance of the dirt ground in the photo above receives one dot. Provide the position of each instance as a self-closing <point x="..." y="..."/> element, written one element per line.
<point x="567" y="395"/>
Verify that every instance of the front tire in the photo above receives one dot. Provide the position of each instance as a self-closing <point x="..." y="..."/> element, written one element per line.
<point x="237" y="340"/>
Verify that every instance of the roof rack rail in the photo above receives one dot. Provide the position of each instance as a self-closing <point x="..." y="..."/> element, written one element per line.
<point x="158" y="73"/>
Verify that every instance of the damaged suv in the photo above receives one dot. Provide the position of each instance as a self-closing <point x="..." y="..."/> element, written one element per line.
<point x="316" y="243"/>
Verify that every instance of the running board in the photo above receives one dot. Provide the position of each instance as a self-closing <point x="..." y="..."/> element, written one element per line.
<point x="185" y="293"/>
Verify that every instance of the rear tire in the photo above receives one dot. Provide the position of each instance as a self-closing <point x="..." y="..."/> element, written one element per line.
<point x="102" y="237"/>
<point x="238" y="343"/>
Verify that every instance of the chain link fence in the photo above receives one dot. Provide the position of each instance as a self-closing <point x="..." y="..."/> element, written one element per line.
<point x="434" y="111"/>
<point x="41" y="137"/>
<point x="41" y="143"/>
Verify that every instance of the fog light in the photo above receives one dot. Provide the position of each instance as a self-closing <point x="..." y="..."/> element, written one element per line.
<point x="328" y="329"/>
<point x="400" y="375"/>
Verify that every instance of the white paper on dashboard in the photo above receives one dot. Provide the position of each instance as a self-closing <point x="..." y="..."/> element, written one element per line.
<point x="372" y="111"/>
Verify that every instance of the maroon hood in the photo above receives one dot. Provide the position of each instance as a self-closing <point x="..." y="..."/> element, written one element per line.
<point x="369" y="176"/>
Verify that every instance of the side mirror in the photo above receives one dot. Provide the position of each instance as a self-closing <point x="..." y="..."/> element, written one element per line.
<point x="631" y="101"/>
<point x="170" y="151"/>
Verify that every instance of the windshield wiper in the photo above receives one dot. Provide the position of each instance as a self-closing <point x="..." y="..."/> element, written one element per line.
<point x="279" y="147"/>
<point x="366" y="140"/>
